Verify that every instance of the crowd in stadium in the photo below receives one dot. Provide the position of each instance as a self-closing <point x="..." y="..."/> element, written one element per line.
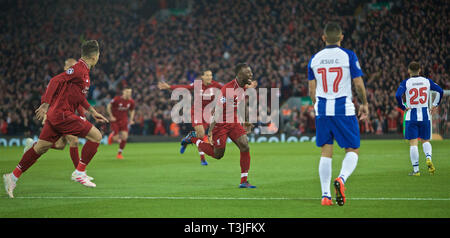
<point x="277" y="38"/>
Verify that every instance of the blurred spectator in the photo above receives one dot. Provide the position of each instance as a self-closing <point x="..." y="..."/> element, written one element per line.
<point x="277" y="38"/>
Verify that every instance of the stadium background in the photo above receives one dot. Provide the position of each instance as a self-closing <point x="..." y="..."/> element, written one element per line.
<point x="143" y="42"/>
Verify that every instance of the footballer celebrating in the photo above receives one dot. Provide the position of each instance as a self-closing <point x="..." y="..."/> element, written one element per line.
<point x="207" y="96"/>
<point x="417" y="118"/>
<point x="330" y="75"/>
<point x="69" y="88"/>
<point x="222" y="127"/>
<point x="118" y="110"/>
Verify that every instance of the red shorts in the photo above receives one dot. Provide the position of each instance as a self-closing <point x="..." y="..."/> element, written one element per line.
<point x="117" y="126"/>
<point x="222" y="131"/>
<point x="71" y="125"/>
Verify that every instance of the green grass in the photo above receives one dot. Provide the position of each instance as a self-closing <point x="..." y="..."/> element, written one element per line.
<point x="155" y="181"/>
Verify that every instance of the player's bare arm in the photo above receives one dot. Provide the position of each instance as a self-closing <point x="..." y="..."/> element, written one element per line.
<point x="108" y="110"/>
<point x="312" y="90"/>
<point x="41" y="112"/>
<point x="97" y="116"/>
<point x="132" y="112"/>
<point x="363" y="112"/>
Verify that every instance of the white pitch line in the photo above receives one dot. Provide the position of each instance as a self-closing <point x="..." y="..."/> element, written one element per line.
<point x="236" y="198"/>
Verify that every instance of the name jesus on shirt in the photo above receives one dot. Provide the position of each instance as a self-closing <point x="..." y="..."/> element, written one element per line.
<point x="329" y="61"/>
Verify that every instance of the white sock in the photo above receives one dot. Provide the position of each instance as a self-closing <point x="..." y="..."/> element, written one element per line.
<point x="427" y="149"/>
<point x="325" y="175"/>
<point x="348" y="165"/>
<point x="79" y="172"/>
<point x="414" y="154"/>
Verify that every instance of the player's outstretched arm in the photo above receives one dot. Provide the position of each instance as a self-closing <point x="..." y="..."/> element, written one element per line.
<point x="163" y="86"/>
<point x="363" y="112"/>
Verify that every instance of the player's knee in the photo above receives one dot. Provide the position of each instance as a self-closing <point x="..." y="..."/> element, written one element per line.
<point x="218" y="154"/>
<point x="41" y="148"/>
<point x="244" y="148"/>
<point x="73" y="143"/>
<point x="59" y="146"/>
<point x="94" y="135"/>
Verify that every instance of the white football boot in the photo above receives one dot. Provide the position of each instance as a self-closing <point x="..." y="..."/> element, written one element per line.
<point x="10" y="185"/>
<point x="83" y="179"/>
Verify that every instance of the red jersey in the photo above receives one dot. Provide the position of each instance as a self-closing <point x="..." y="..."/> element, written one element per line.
<point x="230" y="100"/>
<point x="206" y="91"/>
<point x="120" y="107"/>
<point x="67" y="91"/>
<point x="80" y="109"/>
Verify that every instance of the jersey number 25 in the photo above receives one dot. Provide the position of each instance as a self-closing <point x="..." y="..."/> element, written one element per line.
<point x="337" y="80"/>
<point x="415" y="93"/>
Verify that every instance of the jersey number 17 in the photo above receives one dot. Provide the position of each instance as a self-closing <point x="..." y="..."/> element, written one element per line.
<point x="337" y="80"/>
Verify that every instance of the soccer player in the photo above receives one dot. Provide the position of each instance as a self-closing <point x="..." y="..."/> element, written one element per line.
<point x="417" y="118"/>
<point x="70" y="88"/>
<point x="118" y="110"/>
<point x="71" y="140"/>
<point x="221" y="129"/>
<point x="207" y="93"/>
<point x="330" y="74"/>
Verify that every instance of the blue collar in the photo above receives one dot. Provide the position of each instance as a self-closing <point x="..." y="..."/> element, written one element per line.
<point x="331" y="46"/>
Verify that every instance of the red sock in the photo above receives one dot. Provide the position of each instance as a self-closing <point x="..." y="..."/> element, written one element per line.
<point x="75" y="156"/>
<point x="28" y="159"/>
<point x="245" y="165"/>
<point x="88" y="151"/>
<point x="122" y="145"/>
<point x="205" y="147"/>
<point x="202" y="154"/>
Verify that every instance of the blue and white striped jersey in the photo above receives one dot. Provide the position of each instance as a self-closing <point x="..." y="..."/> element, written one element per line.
<point x="334" y="68"/>
<point x="417" y="91"/>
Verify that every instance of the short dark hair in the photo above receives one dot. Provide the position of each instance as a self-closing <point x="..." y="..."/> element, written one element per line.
<point x="239" y="66"/>
<point x="89" y="48"/>
<point x="414" y="66"/>
<point x="333" y="32"/>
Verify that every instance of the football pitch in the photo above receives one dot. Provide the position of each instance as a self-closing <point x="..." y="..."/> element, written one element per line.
<point x="155" y="181"/>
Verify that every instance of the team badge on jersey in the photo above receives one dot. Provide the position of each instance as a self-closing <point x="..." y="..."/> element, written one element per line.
<point x="223" y="100"/>
<point x="69" y="71"/>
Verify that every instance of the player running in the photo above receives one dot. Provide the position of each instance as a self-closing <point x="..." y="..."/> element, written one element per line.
<point x="417" y="118"/>
<point x="60" y="144"/>
<point x="207" y="95"/>
<point x="70" y="88"/>
<point x="221" y="129"/>
<point x="330" y="74"/>
<point x="118" y="110"/>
